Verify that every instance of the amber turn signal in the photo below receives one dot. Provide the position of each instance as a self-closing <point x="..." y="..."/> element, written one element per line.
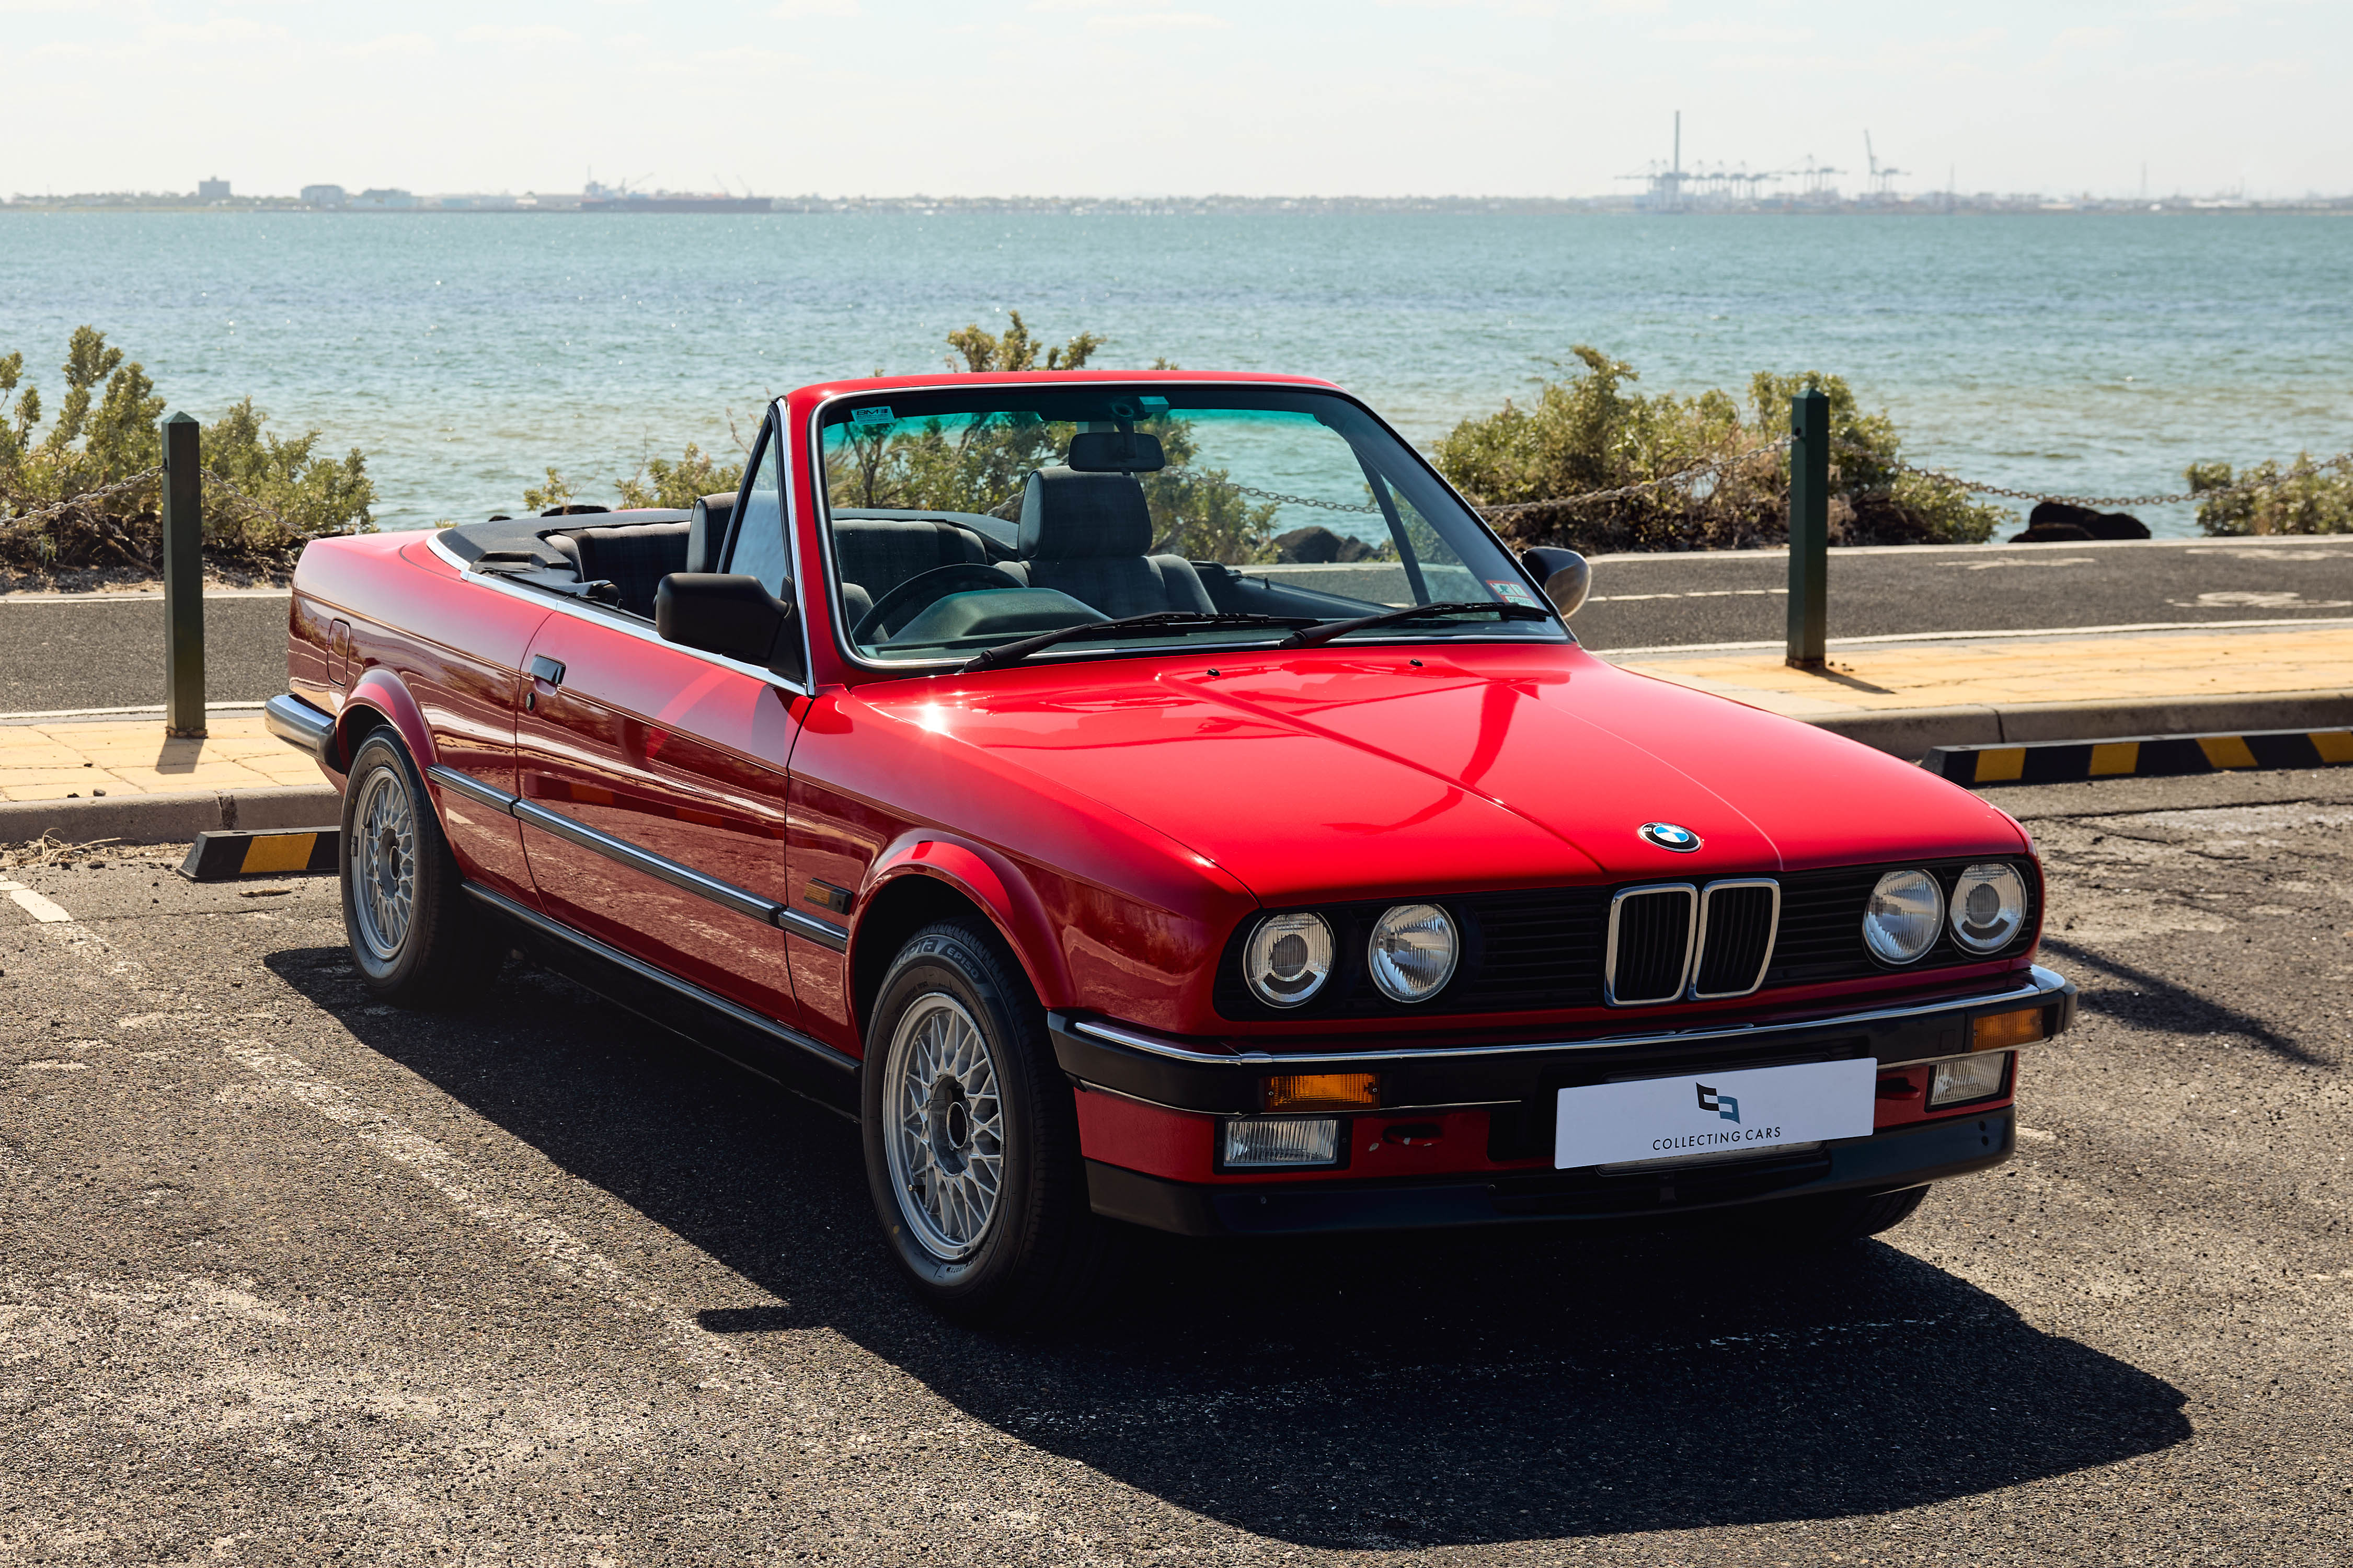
<point x="1322" y="1092"/>
<point x="1999" y="1031"/>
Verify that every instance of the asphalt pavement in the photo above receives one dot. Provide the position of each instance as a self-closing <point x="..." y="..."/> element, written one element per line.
<point x="60" y="653"/>
<point x="107" y="651"/>
<point x="290" y="1276"/>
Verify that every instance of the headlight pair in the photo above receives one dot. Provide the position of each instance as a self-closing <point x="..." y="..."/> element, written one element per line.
<point x="1908" y="910"/>
<point x="1411" y="955"/>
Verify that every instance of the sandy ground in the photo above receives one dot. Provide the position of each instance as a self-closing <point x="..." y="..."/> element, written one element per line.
<point x="290" y="1276"/>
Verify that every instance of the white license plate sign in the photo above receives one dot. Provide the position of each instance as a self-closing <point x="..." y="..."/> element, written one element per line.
<point x="1754" y="1109"/>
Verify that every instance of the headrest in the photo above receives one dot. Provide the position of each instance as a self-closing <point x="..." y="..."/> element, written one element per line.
<point x="1115" y="452"/>
<point x="1070" y="516"/>
<point x="706" y="530"/>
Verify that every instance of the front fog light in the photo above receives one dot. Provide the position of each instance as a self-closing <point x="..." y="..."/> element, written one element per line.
<point x="1988" y="905"/>
<point x="1288" y="958"/>
<point x="1971" y="1078"/>
<point x="1905" y="913"/>
<point x="1290" y="1141"/>
<point x="1412" y="952"/>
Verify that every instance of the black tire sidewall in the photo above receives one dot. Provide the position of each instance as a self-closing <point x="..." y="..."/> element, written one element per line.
<point x="405" y="972"/>
<point x="959" y="962"/>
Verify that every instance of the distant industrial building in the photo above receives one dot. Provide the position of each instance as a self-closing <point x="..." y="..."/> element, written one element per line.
<point x="323" y="195"/>
<point x="379" y="199"/>
<point x="212" y="190"/>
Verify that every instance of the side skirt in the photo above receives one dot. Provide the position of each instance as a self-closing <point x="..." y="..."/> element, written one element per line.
<point x="784" y="1056"/>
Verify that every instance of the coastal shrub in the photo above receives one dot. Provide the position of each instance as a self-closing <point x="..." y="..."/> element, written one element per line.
<point x="2297" y="499"/>
<point x="105" y="432"/>
<point x="1591" y="431"/>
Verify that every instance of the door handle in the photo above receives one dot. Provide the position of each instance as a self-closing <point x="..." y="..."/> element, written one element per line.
<point x="545" y="668"/>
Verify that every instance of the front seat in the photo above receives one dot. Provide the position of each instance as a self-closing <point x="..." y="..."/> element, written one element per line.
<point x="1090" y="536"/>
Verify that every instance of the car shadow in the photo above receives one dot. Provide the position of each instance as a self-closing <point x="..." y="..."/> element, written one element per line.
<point x="1377" y="1392"/>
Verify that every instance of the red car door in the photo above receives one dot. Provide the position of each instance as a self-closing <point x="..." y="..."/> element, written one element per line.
<point x="653" y="792"/>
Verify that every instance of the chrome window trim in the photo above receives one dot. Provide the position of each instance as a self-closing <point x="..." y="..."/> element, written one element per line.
<point x="1691" y="946"/>
<point x="2044" y="986"/>
<point x="727" y="895"/>
<point x="558" y="603"/>
<point x="1699" y="948"/>
<point x="823" y="520"/>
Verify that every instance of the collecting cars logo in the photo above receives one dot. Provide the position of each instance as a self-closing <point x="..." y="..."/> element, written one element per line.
<point x="1667" y="836"/>
<point x="1726" y="1108"/>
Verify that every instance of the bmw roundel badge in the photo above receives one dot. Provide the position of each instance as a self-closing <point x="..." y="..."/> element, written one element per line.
<point x="1667" y="836"/>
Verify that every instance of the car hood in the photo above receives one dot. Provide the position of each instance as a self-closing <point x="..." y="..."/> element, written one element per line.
<point x="1336" y="774"/>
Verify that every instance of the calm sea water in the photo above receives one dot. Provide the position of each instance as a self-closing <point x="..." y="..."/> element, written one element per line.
<point x="467" y="352"/>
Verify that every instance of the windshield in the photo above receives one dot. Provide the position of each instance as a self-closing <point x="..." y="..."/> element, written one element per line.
<point x="964" y="521"/>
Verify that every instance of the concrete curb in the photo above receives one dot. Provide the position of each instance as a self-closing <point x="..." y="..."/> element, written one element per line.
<point x="169" y="818"/>
<point x="1912" y="733"/>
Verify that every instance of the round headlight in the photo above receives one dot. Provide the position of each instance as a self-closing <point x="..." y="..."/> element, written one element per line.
<point x="1288" y="959"/>
<point x="1412" y="952"/>
<point x="1988" y="905"/>
<point x="1905" y="913"/>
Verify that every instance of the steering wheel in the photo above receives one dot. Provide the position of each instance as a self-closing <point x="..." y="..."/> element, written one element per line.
<point x="936" y="583"/>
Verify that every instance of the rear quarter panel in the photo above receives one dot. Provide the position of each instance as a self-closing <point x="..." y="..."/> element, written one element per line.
<point x="455" y="646"/>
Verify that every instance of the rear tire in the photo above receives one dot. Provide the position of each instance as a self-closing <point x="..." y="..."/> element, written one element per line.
<point x="971" y="1141"/>
<point x="414" y="937"/>
<point x="1812" y="1224"/>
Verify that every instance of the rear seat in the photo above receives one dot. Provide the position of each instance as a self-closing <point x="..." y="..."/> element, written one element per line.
<point x="634" y="558"/>
<point x="876" y="554"/>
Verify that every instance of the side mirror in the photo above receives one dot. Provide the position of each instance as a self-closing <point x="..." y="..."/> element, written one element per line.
<point x="1566" y="576"/>
<point x="726" y="614"/>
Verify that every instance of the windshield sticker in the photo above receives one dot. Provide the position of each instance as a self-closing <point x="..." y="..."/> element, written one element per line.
<point x="1513" y="593"/>
<point x="880" y="415"/>
<point x="1154" y="408"/>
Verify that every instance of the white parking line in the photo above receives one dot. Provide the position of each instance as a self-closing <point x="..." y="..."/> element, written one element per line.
<point x="34" y="904"/>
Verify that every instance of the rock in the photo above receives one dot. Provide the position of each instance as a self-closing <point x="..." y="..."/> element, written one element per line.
<point x="1355" y="549"/>
<point x="2094" y="524"/>
<point x="2052" y="533"/>
<point x="1314" y="545"/>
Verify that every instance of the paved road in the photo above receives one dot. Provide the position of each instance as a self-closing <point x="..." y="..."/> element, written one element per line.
<point x="289" y="1276"/>
<point x="96" y="654"/>
<point x="1653" y="601"/>
<point x="107" y="652"/>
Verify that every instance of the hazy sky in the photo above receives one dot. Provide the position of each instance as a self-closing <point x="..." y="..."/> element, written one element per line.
<point x="1258" y="97"/>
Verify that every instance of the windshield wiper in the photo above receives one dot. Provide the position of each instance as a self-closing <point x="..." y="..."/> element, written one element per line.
<point x="1325" y="631"/>
<point x="1126" y="626"/>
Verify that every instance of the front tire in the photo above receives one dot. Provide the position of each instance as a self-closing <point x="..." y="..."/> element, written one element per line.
<point x="971" y="1141"/>
<point x="413" y="937"/>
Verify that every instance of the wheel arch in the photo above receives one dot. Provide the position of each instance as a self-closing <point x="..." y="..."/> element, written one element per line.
<point x="921" y="881"/>
<point x="376" y="700"/>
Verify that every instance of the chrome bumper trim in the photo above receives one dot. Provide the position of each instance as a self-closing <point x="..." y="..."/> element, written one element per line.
<point x="2044" y="986"/>
<point x="299" y="724"/>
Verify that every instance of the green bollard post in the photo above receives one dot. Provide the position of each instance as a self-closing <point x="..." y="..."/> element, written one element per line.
<point x="184" y="579"/>
<point x="1810" y="529"/>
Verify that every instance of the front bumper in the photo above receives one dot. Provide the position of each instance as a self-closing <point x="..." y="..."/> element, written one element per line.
<point x="1883" y="1162"/>
<point x="1517" y="1087"/>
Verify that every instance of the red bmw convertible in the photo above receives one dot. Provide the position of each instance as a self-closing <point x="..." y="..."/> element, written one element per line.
<point x="974" y="771"/>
